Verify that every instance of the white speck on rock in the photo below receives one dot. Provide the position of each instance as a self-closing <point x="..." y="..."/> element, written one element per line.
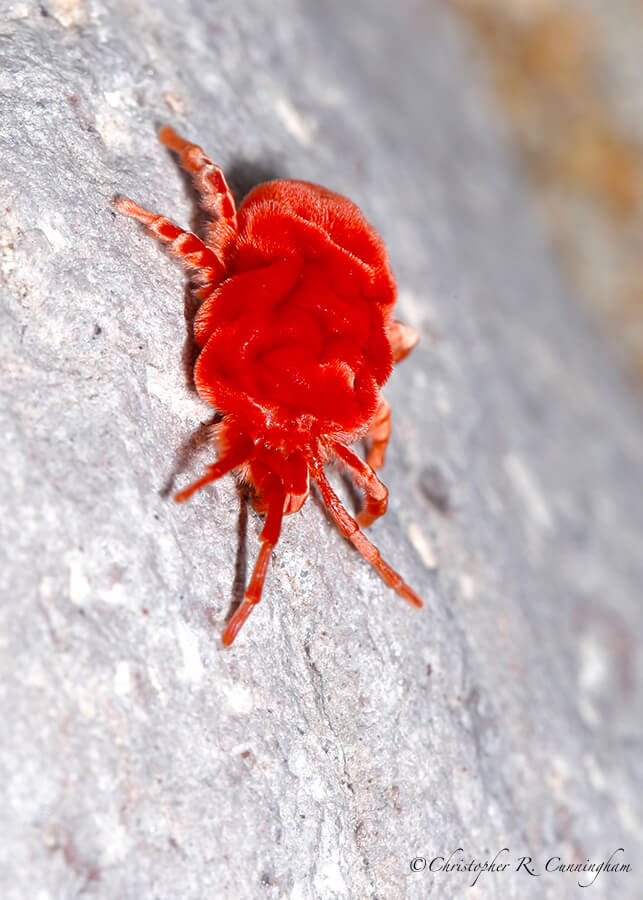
<point x="423" y="546"/>
<point x="414" y="306"/>
<point x="301" y="127"/>
<point x="122" y="678"/>
<point x="529" y="491"/>
<point x="467" y="586"/>
<point x="116" y="595"/>
<point x="7" y="254"/>
<point x="115" y="840"/>
<point x="557" y="774"/>
<point x="168" y="388"/>
<point x="298" y="891"/>
<point x="55" y="237"/>
<point x="79" y="586"/>
<point x="595" y="772"/>
<point x="593" y="666"/>
<point x="240" y="700"/>
<point x="318" y="790"/>
<point x="112" y="127"/>
<point x="116" y="99"/>
<point x="70" y="13"/>
<point x="588" y="712"/>
<point x="329" y="880"/>
<point x="193" y="668"/>
<point x="298" y="762"/>
<point x="157" y="682"/>
<point x="442" y="400"/>
<point x="629" y="819"/>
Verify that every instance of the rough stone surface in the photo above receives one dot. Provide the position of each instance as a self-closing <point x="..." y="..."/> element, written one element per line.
<point x="345" y="733"/>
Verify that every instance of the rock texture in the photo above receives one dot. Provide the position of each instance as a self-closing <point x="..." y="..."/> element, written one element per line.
<point x="345" y="733"/>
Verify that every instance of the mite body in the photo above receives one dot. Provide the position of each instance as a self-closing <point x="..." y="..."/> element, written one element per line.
<point x="297" y="337"/>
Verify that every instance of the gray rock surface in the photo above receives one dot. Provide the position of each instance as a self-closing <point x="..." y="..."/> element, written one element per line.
<point x="345" y="733"/>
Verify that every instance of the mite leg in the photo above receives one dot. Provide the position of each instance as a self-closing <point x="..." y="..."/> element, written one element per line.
<point x="379" y="433"/>
<point x="402" y="339"/>
<point x="269" y="538"/>
<point x="235" y="455"/>
<point x="350" y="529"/>
<point x="216" y="197"/>
<point x="187" y="247"/>
<point x="375" y="492"/>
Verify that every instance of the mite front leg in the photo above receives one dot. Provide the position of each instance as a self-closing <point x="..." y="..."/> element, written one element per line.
<point x="187" y="247"/>
<point x="236" y="455"/>
<point x="375" y="492"/>
<point x="379" y="434"/>
<point x="402" y="339"/>
<point x="216" y="197"/>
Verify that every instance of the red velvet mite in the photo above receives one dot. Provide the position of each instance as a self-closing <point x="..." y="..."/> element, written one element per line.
<point x="297" y="337"/>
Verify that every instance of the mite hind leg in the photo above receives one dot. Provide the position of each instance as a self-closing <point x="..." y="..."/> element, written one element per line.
<point x="379" y="434"/>
<point x="216" y="197"/>
<point x="402" y="339"/>
<point x="376" y="494"/>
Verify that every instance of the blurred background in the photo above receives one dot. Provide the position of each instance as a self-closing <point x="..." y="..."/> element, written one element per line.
<point x="569" y="77"/>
